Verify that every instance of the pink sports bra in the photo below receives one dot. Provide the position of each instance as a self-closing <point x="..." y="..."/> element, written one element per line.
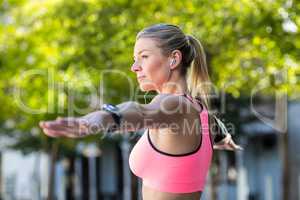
<point x="174" y="173"/>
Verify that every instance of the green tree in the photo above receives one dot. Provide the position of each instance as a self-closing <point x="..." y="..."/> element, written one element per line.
<point x="53" y="52"/>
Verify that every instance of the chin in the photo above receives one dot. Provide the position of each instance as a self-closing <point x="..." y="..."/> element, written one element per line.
<point x="146" y="87"/>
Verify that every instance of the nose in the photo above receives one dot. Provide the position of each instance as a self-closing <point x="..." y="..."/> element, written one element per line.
<point x="135" y="67"/>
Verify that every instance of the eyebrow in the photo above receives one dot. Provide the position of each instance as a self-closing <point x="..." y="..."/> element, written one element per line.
<point x="142" y="51"/>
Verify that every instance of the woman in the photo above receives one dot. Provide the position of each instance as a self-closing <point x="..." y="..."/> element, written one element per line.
<point x="174" y="154"/>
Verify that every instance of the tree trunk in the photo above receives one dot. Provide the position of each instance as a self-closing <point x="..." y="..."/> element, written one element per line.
<point x="1" y="184"/>
<point x="125" y="147"/>
<point x="37" y="177"/>
<point x="53" y="154"/>
<point x="281" y="113"/>
<point x="285" y="168"/>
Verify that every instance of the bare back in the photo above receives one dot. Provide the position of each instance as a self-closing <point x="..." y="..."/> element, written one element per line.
<point x="184" y="138"/>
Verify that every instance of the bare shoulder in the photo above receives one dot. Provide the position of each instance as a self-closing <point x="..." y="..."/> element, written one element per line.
<point x="168" y="101"/>
<point x="165" y="108"/>
<point x="175" y="103"/>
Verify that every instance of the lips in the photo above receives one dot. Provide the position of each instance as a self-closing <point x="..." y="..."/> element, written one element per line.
<point x="140" y="77"/>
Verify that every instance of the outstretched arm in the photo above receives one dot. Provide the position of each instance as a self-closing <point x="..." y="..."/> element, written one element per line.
<point x="163" y="109"/>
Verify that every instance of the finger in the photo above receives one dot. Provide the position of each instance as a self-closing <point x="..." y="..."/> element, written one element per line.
<point x="42" y="124"/>
<point x="225" y="140"/>
<point x="63" y="123"/>
<point x="57" y="133"/>
<point x="74" y="132"/>
<point x="75" y="124"/>
<point x="218" y="148"/>
<point x="55" y="126"/>
<point x="233" y="145"/>
<point x="227" y="146"/>
<point x="77" y="131"/>
<point x="50" y="133"/>
<point x="68" y="121"/>
<point x="67" y="127"/>
<point x="222" y="147"/>
<point x="239" y="148"/>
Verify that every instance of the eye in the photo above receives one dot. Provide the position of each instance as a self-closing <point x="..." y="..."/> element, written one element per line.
<point x="144" y="56"/>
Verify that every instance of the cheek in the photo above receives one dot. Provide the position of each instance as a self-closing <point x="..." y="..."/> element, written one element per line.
<point x="155" y="70"/>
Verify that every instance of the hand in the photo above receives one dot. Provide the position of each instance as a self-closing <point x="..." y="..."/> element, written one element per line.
<point x="227" y="144"/>
<point x="73" y="127"/>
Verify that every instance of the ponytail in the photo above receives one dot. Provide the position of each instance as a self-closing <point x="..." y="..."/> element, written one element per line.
<point x="198" y="80"/>
<point x="199" y="84"/>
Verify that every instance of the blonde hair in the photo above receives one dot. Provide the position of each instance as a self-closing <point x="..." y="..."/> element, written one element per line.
<point x="193" y="63"/>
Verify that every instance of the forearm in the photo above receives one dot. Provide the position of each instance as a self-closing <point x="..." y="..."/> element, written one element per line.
<point x="136" y="116"/>
<point x="132" y="118"/>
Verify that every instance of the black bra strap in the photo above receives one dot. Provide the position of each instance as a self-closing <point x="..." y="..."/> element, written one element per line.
<point x="198" y="100"/>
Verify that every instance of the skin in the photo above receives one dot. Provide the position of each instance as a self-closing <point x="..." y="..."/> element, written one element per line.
<point x="159" y="73"/>
<point x="157" y="69"/>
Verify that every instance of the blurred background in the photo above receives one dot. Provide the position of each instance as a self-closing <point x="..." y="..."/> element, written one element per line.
<point x="67" y="57"/>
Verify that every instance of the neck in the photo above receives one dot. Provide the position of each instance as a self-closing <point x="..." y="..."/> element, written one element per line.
<point x="176" y="85"/>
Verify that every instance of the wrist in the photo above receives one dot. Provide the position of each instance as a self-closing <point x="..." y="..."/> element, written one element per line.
<point x="106" y="119"/>
<point x="114" y="120"/>
<point x="95" y="122"/>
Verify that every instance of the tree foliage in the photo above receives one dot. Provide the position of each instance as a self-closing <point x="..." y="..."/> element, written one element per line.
<point x="53" y="52"/>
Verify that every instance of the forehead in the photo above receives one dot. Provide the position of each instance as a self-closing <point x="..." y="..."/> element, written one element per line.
<point x="145" y="44"/>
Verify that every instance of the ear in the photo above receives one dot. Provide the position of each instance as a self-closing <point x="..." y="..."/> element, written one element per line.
<point x="175" y="59"/>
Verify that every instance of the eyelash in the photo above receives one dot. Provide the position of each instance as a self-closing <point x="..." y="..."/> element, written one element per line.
<point x="143" y="56"/>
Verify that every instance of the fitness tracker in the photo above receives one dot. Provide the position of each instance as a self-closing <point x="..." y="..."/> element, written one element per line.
<point x="115" y="113"/>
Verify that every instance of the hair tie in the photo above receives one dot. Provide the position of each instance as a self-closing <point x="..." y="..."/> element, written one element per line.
<point x="189" y="43"/>
<point x="187" y="38"/>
